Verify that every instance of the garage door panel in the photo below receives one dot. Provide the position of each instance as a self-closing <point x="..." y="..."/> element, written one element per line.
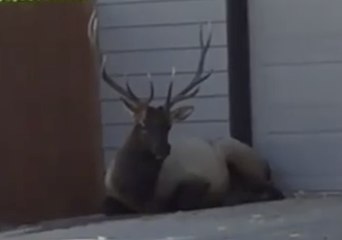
<point x="296" y="60"/>
<point x="304" y="119"/>
<point x="312" y="183"/>
<point x="304" y="98"/>
<point x="299" y="16"/>
<point x="304" y="85"/>
<point x="300" y="31"/>
<point x="306" y="154"/>
<point x="302" y="50"/>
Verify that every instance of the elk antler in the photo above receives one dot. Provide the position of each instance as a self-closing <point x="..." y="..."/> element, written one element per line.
<point x="198" y="78"/>
<point x="93" y="28"/>
<point x="128" y="94"/>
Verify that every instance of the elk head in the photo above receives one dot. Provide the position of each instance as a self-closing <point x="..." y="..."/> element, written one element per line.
<point x="152" y="124"/>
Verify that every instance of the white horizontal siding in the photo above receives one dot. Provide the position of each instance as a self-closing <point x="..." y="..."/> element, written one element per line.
<point x="296" y="82"/>
<point x="174" y="36"/>
<point x="216" y="86"/>
<point x="160" y="12"/>
<point x="184" y="60"/>
<point x="150" y="36"/>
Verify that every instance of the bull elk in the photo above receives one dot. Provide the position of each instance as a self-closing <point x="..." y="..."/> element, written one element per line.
<point x="152" y="173"/>
<point x="145" y="164"/>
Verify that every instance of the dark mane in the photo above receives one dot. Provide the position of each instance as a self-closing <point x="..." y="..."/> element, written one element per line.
<point x="135" y="174"/>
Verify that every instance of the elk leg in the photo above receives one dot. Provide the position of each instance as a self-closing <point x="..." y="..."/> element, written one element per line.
<point x="244" y="190"/>
<point x="111" y="207"/>
<point x="189" y="194"/>
<point x="268" y="192"/>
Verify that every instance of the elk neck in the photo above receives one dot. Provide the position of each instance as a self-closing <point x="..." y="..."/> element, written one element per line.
<point x="136" y="170"/>
<point x="135" y="141"/>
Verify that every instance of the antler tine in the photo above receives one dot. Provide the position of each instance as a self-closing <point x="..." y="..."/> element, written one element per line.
<point x="92" y="27"/>
<point x="128" y="95"/>
<point x="130" y="92"/>
<point x="198" y="78"/>
<point x="93" y="36"/>
<point x="186" y="96"/>
<point x="169" y="95"/>
<point x="204" y="51"/>
<point x="150" y="98"/>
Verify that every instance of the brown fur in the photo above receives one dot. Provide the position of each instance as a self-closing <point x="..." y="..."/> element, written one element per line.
<point x="136" y="172"/>
<point x="189" y="195"/>
<point x="138" y="163"/>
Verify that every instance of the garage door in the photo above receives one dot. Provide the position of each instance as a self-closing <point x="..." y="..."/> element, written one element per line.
<point x="296" y="50"/>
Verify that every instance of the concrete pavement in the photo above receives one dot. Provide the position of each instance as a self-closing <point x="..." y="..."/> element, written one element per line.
<point x="315" y="218"/>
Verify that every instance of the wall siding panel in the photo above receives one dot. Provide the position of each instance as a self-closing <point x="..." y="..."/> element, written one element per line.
<point x="217" y="85"/>
<point x="160" y="12"/>
<point x="174" y="36"/>
<point x="184" y="60"/>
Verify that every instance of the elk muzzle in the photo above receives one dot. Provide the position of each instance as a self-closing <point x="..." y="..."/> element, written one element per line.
<point x="161" y="149"/>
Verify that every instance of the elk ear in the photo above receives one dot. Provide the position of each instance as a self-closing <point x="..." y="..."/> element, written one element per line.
<point x="181" y="113"/>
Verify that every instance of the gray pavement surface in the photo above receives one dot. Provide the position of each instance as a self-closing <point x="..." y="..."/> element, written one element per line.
<point x="313" y="218"/>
